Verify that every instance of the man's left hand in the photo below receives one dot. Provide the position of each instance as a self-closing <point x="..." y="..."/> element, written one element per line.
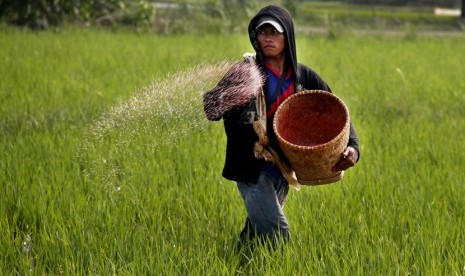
<point x="348" y="159"/>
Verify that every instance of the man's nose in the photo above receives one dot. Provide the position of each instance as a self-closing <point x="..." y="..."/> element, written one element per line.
<point x="268" y="37"/>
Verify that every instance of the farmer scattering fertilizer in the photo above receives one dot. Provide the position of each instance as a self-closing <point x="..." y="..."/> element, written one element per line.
<point x="247" y="99"/>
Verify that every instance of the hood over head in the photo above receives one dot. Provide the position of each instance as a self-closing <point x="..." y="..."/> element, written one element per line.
<point x="283" y="17"/>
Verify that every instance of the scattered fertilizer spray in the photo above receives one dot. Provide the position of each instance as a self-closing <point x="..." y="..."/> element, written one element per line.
<point x="162" y="113"/>
<point x="172" y="106"/>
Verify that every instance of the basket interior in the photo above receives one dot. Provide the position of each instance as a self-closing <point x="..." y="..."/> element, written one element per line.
<point x="311" y="119"/>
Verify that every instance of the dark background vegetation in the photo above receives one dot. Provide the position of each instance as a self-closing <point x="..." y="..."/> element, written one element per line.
<point x="220" y="16"/>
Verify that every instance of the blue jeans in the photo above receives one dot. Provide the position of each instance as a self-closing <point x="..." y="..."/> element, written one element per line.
<point x="264" y="203"/>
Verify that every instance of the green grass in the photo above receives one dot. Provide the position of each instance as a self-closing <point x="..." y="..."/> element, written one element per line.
<point x="109" y="166"/>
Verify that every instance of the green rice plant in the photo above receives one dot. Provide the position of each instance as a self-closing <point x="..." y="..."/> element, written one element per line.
<point x="111" y="168"/>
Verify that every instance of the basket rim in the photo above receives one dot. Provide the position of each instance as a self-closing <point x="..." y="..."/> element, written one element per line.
<point x="303" y="93"/>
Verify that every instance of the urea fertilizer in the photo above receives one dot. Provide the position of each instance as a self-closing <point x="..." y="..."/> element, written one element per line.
<point x="165" y="110"/>
<point x="176" y="98"/>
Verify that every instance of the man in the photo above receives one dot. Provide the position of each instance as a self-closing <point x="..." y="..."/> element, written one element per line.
<point x="261" y="184"/>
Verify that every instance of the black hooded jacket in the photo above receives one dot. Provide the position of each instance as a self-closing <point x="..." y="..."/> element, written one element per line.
<point x="241" y="164"/>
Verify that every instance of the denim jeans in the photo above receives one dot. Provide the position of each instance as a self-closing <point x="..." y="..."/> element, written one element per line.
<point x="264" y="203"/>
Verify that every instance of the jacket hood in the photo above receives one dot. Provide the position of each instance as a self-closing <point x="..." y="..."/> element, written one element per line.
<point x="284" y="18"/>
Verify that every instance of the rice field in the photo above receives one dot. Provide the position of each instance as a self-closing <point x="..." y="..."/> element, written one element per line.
<point x="109" y="166"/>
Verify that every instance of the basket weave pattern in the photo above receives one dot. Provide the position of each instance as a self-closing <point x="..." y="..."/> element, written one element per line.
<point x="313" y="130"/>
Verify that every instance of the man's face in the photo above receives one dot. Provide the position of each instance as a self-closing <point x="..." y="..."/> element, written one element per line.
<point x="272" y="42"/>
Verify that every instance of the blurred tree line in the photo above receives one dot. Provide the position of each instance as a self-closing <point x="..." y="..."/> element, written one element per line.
<point x="41" y="14"/>
<point x="292" y="5"/>
<point x="462" y="14"/>
<point x="430" y="3"/>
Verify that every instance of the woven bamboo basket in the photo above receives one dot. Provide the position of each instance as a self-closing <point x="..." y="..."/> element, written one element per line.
<point x="313" y="128"/>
